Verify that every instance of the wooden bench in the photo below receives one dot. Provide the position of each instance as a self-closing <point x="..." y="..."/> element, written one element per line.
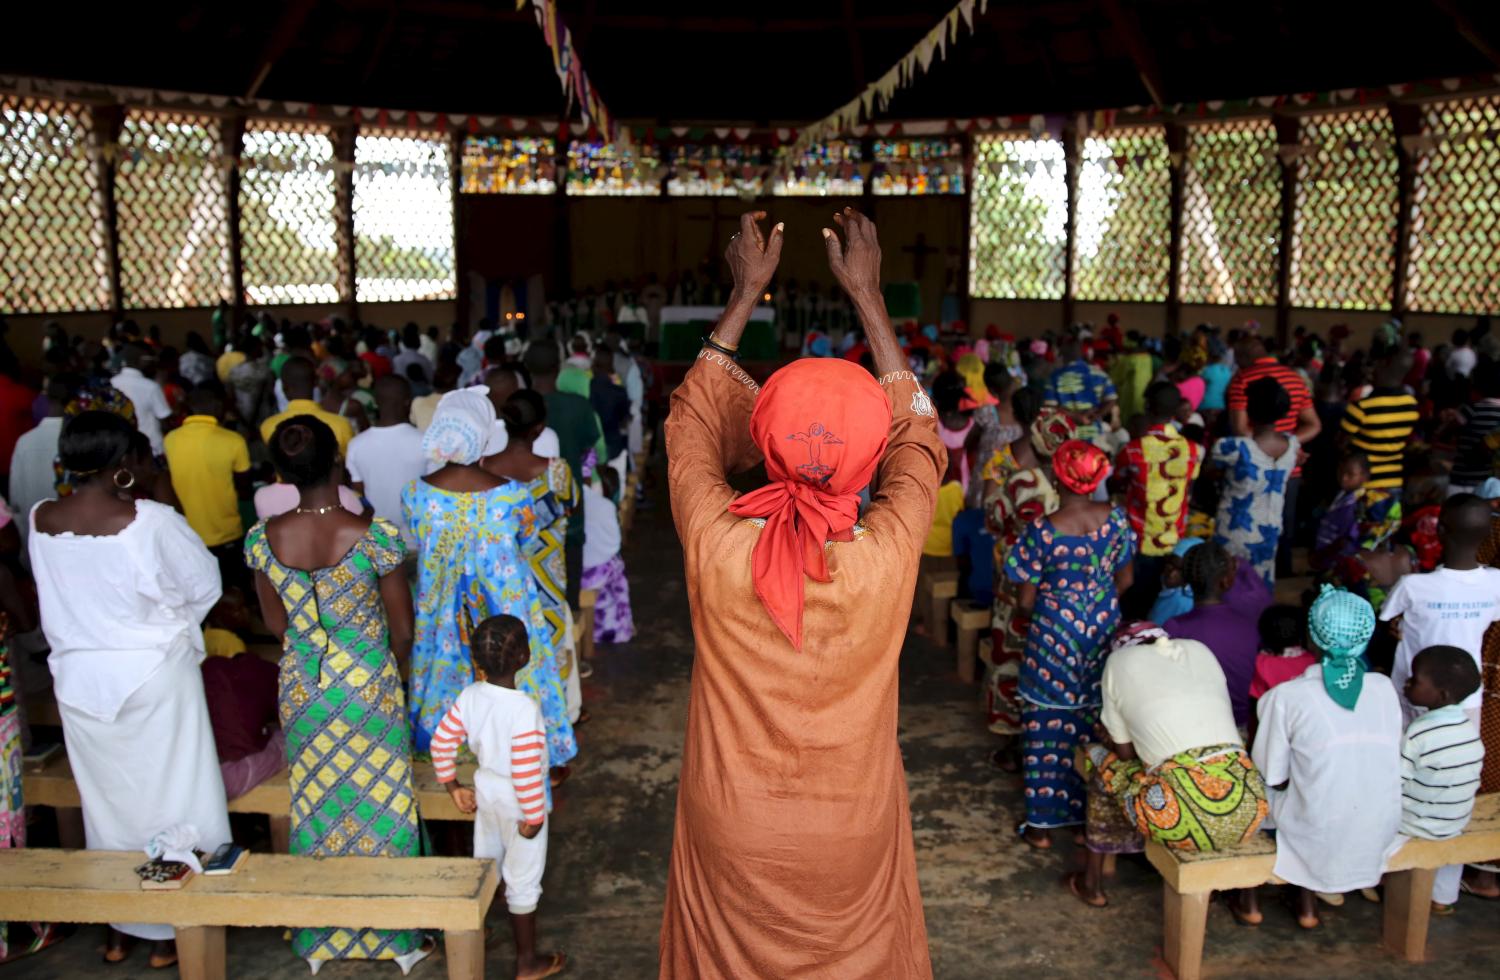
<point x="970" y="620"/>
<point x="937" y="587"/>
<point x="271" y="890"/>
<point x="1189" y="880"/>
<point x="54" y="786"/>
<point x="588" y="601"/>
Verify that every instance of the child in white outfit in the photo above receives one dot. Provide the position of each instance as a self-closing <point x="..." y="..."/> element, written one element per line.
<point x="510" y="798"/>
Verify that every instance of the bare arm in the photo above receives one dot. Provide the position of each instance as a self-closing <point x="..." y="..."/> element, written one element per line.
<point x="1308" y="425"/>
<point x="272" y="612"/>
<point x="396" y="595"/>
<point x="752" y="261"/>
<point x="856" y="265"/>
<point x="1239" y="421"/>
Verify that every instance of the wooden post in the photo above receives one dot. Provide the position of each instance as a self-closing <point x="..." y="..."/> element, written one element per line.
<point x="108" y="120"/>
<point x="1288" y="134"/>
<point x="1177" y="140"/>
<point x="465" y="954"/>
<point x="562" y="249"/>
<point x="343" y="211"/>
<point x="200" y="952"/>
<point x="231" y="138"/>
<point x="460" y="257"/>
<point x="1072" y="158"/>
<point x="966" y="167"/>
<point x="1407" y="120"/>
<point x="1407" y="906"/>
<point x="1184" y="923"/>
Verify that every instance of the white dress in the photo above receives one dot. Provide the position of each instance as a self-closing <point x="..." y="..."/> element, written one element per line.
<point x="1341" y="806"/>
<point x="122" y="614"/>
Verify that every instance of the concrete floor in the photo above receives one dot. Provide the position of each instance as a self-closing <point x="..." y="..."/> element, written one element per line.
<point x="994" y="908"/>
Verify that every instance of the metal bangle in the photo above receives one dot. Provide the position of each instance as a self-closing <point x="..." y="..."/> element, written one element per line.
<point x="732" y="352"/>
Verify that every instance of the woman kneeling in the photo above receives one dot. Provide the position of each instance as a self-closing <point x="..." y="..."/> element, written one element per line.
<point x="1172" y="767"/>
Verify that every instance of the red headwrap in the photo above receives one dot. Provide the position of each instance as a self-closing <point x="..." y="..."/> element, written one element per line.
<point x="1080" y="466"/>
<point x="823" y="426"/>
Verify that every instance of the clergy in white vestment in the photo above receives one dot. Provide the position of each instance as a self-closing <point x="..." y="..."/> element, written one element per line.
<point x="124" y="586"/>
<point x="1329" y="747"/>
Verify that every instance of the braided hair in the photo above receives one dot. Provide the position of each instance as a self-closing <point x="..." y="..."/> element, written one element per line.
<point x="500" y="646"/>
<point x="1205" y="568"/>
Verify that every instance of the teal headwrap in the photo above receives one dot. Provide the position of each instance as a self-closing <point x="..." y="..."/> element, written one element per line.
<point x="1340" y="624"/>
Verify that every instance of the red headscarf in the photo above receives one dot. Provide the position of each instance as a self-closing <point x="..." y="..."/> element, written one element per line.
<point x="1080" y="466"/>
<point x="823" y="426"/>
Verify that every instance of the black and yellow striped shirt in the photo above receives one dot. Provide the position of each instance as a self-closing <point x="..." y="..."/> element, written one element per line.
<point x="1380" y="425"/>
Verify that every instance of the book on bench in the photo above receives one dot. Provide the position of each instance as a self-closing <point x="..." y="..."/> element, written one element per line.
<point x="162" y="876"/>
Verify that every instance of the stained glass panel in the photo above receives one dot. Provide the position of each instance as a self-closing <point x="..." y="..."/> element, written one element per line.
<point x="832" y="169"/>
<point x="603" y="169"/>
<point x="504" y="165"/>
<point x="715" y="170"/>
<point x="918" y="167"/>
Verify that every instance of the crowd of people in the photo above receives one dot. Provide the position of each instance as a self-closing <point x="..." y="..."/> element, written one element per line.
<point x="410" y="520"/>
<point x="1167" y="661"/>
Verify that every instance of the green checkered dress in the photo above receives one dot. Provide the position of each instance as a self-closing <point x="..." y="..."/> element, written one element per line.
<point x="343" y="709"/>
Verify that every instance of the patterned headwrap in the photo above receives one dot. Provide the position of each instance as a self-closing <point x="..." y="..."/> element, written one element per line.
<point x="1080" y="466"/>
<point x="822" y="424"/>
<point x="461" y="428"/>
<point x="1193" y="357"/>
<point x="970" y="367"/>
<point x="1136" y="633"/>
<point x="1051" y="428"/>
<point x="1340" y="624"/>
<point x="330" y="369"/>
<point x="573" y="380"/>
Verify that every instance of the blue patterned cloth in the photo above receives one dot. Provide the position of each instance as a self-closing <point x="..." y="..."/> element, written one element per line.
<point x="1076" y="613"/>
<point x="1250" y="508"/>
<point x="476" y="563"/>
<point x="1080" y="389"/>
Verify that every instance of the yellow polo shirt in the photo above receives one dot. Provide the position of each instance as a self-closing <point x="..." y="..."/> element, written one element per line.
<point x="203" y="458"/>
<point x="342" y="430"/>
<point x="228" y="361"/>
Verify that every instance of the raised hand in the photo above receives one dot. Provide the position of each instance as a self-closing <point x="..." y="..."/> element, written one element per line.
<point x="856" y="261"/>
<point x="751" y="256"/>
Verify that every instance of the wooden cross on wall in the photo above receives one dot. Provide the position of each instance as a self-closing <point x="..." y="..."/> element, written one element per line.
<point x="919" y="251"/>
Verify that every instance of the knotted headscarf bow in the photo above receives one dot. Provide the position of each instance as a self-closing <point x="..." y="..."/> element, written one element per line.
<point x="1340" y="624"/>
<point x="822" y="426"/>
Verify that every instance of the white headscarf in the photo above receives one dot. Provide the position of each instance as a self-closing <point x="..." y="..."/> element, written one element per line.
<point x="462" y="427"/>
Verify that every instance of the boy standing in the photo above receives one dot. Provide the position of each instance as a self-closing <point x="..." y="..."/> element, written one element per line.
<point x="1451" y="605"/>
<point x="1441" y="756"/>
<point x="510" y="797"/>
<point x="210" y="470"/>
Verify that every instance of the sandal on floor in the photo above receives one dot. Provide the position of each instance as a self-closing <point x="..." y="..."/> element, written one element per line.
<point x="1440" y="910"/>
<point x="408" y="960"/>
<point x="555" y="965"/>
<point x="1074" y="880"/>
<point x="1306" y="923"/>
<point x="1045" y="844"/>
<point x="1371" y="895"/>
<point x="558" y="775"/>
<point x="1468" y="889"/>
<point x="162" y="958"/>
<point x="118" y="953"/>
<point x="585" y="669"/>
<point x="1331" y="899"/>
<point x="1241" y="917"/>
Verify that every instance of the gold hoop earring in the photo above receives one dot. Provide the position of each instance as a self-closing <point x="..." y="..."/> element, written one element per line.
<point x="126" y="483"/>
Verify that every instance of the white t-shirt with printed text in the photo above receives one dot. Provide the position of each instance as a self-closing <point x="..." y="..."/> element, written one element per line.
<point x="1444" y="607"/>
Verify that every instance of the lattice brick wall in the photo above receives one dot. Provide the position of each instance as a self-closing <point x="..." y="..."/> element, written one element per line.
<point x="52" y="249"/>
<point x="1124" y="214"/>
<point x="1455" y="233"/>
<point x="1343" y="250"/>
<point x="403" y="216"/>
<point x="173" y="212"/>
<point x="1018" y="218"/>
<point x="1231" y="213"/>
<point x="289" y="232"/>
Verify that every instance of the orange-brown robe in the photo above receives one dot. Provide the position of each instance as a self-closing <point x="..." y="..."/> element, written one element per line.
<point x="792" y="854"/>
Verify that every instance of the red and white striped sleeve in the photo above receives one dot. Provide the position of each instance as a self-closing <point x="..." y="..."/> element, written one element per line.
<point x="449" y="736"/>
<point x="528" y="753"/>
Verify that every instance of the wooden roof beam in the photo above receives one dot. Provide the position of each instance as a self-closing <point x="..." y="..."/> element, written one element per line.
<point x="1140" y="52"/>
<point x="285" y="32"/>
<point x="1468" y="31"/>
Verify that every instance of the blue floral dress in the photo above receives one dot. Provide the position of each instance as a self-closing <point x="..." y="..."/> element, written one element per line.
<point x="1076" y="614"/>
<point x="476" y="563"/>
<point x="1249" y="521"/>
